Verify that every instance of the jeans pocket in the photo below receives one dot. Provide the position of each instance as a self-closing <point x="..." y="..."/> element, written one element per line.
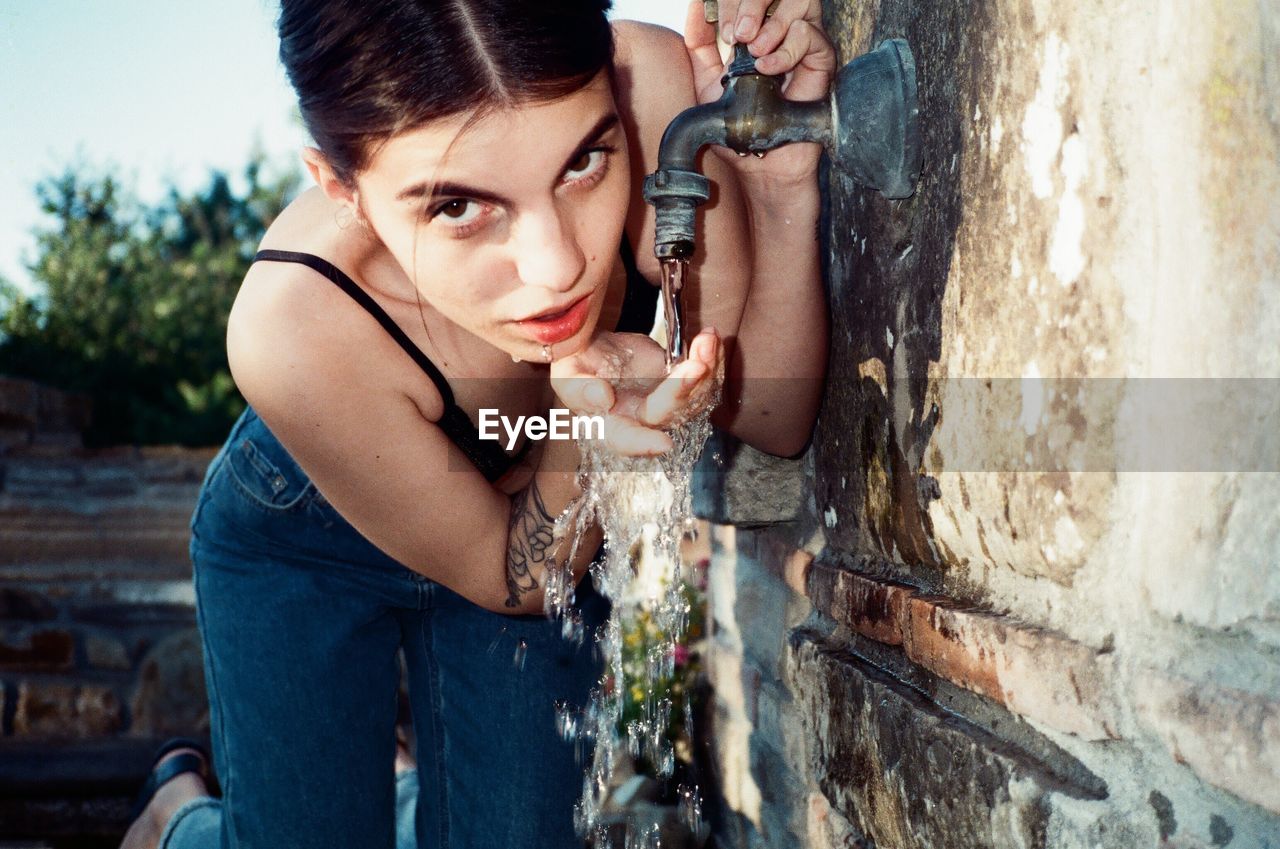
<point x="267" y="481"/>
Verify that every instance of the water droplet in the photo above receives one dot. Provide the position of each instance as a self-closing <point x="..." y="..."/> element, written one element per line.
<point x="760" y="154"/>
<point x="516" y="359"/>
<point x="522" y="651"/>
<point x="690" y="807"/>
<point x="546" y="353"/>
<point x="494" y="645"/>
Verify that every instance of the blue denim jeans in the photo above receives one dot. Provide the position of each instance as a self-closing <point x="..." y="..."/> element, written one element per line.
<point x="303" y="621"/>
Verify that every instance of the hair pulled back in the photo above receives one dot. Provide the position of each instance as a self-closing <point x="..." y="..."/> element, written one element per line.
<point x="364" y="71"/>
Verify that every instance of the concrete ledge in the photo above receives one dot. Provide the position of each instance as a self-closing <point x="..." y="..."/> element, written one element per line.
<point x="734" y="484"/>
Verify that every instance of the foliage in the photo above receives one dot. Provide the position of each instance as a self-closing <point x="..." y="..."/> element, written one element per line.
<point x="642" y="637"/>
<point x="132" y="301"/>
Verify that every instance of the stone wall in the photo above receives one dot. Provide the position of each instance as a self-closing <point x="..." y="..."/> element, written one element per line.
<point x="99" y="657"/>
<point x="997" y="607"/>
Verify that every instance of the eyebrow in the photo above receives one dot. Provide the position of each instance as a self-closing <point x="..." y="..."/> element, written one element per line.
<point x="427" y="190"/>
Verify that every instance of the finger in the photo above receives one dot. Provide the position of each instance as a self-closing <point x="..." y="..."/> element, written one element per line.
<point x="728" y="14"/>
<point x="749" y="16"/>
<point x="700" y="43"/>
<point x="672" y="395"/>
<point x="630" y="439"/>
<point x="672" y="399"/>
<point x="707" y="348"/>
<point x="579" y="388"/>
<point x="806" y="51"/>
<point x="775" y="27"/>
<point x="697" y="32"/>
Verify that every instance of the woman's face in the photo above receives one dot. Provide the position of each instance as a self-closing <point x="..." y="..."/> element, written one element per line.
<point x="512" y="218"/>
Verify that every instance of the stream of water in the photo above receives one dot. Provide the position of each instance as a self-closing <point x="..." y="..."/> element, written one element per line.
<point x="643" y="505"/>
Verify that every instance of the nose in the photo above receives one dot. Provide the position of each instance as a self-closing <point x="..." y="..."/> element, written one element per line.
<point x="547" y="249"/>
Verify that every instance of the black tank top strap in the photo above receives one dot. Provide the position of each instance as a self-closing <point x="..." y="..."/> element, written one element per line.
<point x="639" y="307"/>
<point x="361" y="297"/>
<point x="486" y="455"/>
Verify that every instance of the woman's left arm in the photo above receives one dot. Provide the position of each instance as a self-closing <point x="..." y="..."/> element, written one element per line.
<point x="756" y="275"/>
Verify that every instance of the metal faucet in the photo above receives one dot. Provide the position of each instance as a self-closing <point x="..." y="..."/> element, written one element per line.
<point x="869" y="126"/>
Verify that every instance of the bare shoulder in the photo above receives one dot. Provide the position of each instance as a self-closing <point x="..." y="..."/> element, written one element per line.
<point x="299" y="348"/>
<point x="655" y="80"/>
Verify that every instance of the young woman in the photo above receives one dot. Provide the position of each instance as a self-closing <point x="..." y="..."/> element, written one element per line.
<point x="476" y="240"/>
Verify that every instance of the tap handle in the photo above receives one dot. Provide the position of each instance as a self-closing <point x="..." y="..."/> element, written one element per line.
<point x="742" y="64"/>
<point x="711" y="10"/>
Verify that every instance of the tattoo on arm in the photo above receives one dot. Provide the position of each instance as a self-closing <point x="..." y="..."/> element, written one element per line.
<point x="529" y="543"/>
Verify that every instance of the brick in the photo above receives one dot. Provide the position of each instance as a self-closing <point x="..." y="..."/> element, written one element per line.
<point x="1228" y="737"/>
<point x="169" y="697"/>
<point x="875" y="609"/>
<point x="19" y="401"/>
<point x="36" y="649"/>
<point x="17" y="603"/>
<point x="103" y="652"/>
<point x="908" y="774"/>
<point x="1036" y="673"/>
<point x="66" y="711"/>
<point x="736" y="682"/>
<point x="1039" y="674"/>
<point x="785" y="561"/>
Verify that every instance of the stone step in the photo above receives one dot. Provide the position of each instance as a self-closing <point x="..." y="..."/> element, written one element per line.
<point x="107" y="471"/>
<point x="167" y="543"/>
<point x="36" y="592"/>
<point x="109" y="504"/>
<point x="81" y="790"/>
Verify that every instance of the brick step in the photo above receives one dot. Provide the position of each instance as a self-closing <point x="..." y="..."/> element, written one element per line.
<point x="91" y="541"/>
<point x="133" y="592"/>
<point x="31" y="472"/>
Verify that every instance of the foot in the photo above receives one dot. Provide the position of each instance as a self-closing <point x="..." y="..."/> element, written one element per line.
<point x="147" y="829"/>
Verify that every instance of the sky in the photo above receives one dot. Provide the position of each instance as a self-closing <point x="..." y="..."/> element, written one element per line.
<point x="151" y="90"/>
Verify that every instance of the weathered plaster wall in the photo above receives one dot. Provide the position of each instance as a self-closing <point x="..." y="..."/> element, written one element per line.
<point x="1044" y="610"/>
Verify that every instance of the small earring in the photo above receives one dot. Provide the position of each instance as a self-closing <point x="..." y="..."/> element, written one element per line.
<point x="344" y="217"/>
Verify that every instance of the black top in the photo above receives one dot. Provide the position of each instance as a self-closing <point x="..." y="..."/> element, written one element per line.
<point x="638" y="310"/>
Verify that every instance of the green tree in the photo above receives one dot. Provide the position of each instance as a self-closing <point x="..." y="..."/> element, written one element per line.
<point x="132" y="301"/>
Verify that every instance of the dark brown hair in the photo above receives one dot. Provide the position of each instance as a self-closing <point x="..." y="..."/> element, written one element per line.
<point x="364" y="71"/>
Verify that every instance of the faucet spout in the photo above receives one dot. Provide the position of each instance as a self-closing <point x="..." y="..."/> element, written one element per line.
<point x="869" y="126"/>
<point x="752" y="116"/>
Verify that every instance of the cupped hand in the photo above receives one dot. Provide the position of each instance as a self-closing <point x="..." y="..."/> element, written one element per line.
<point x="622" y="377"/>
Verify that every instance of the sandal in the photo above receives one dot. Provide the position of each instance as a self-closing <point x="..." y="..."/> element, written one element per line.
<point x="170" y="769"/>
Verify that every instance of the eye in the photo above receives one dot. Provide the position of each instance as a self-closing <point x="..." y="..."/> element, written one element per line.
<point x="589" y="165"/>
<point x="459" y="211"/>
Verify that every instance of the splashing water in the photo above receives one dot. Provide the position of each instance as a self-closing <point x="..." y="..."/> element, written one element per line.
<point x="644" y="503"/>
<point x="690" y="807"/>
<point x="674" y="272"/>
<point x="640" y="502"/>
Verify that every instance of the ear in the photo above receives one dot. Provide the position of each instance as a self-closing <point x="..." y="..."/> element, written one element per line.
<point x="322" y="172"/>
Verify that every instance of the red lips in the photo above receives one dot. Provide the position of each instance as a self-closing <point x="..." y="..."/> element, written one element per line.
<point x="558" y="326"/>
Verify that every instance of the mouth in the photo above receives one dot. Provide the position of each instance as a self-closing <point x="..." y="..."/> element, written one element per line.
<point x="557" y="325"/>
